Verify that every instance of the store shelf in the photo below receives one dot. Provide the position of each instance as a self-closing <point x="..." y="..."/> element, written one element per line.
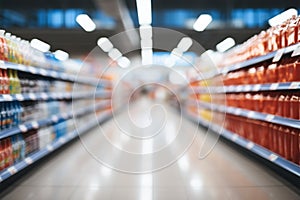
<point x="51" y="147"/>
<point x="53" y="96"/>
<point x="250" y="114"/>
<point x="257" y="149"/>
<point x="55" y="74"/>
<point x="252" y="61"/>
<point x="54" y="119"/>
<point x="259" y="59"/>
<point x="246" y="88"/>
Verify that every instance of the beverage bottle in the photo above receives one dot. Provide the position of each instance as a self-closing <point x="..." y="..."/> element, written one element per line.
<point x="9" y="48"/>
<point x="5" y="82"/>
<point x="11" y="81"/>
<point x="2" y="40"/>
<point x="1" y="82"/>
<point x="2" y="157"/>
<point x="17" y="82"/>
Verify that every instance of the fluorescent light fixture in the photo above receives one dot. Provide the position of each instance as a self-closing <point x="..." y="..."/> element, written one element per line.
<point x="123" y="62"/>
<point x="145" y="31"/>
<point x="184" y="44"/>
<point x="202" y="22"/>
<point x="280" y="18"/>
<point x="105" y="44"/>
<point x="225" y="44"/>
<point x="61" y="55"/>
<point x="86" y="22"/>
<point x="147" y="56"/>
<point x="144" y="11"/>
<point x="39" y="45"/>
<point x="114" y="54"/>
<point x="146" y="43"/>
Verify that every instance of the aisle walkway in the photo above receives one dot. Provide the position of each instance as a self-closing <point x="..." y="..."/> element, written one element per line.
<point x="75" y="174"/>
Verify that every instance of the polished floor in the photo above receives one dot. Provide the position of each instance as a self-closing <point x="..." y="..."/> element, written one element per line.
<point x="109" y="163"/>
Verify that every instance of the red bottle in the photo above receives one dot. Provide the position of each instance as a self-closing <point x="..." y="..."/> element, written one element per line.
<point x="5" y="82"/>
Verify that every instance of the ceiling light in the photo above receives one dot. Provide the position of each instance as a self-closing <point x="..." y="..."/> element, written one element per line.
<point x="123" y="62"/>
<point x="280" y="18"/>
<point x="184" y="44"/>
<point x="39" y="45"/>
<point x="144" y="12"/>
<point x="61" y="55"/>
<point x="86" y="22"/>
<point x="225" y="44"/>
<point x="202" y="22"/>
<point x="105" y="44"/>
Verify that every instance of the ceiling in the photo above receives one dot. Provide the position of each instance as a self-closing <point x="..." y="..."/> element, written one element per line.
<point x="64" y="38"/>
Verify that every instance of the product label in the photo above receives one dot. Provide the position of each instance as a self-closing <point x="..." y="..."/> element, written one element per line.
<point x="294" y="85"/>
<point x="250" y="145"/>
<point x="278" y="55"/>
<point x="274" y="86"/>
<point x="28" y="160"/>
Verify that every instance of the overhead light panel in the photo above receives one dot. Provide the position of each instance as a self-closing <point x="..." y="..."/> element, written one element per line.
<point x="144" y="11"/>
<point x="86" y="22"/>
<point x="225" y="44"/>
<point x="280" y="18"/>
<point x="105" y="44"/>
<point x="61" y="55"/>
<point x="202" y="22"/>
<point x="39" y="45"/>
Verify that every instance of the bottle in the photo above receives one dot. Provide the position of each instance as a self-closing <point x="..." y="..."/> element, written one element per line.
<point x="5" y="82"/>
<point x="12" y="82"/>
<point x="2" y="156"/>
<point x="17" y="82"/>
<point x="1" y="82"/>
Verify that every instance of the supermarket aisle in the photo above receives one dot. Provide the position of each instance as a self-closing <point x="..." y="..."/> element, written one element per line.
<point x="224" y="174"/>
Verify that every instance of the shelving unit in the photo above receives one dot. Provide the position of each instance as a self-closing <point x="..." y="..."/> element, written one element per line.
<point x="249" y="145"/>
<point x="52" y="147"/>
<point x="196" y="108"/>
<point x="54" y="74"/>
<point x="247" y="88"/>
<point x="279" y="53"/>
<point x="249" y="114"/>
<point x="53" y="96"/>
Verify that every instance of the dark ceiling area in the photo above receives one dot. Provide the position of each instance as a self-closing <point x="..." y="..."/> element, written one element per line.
<point x="75" y="40"/>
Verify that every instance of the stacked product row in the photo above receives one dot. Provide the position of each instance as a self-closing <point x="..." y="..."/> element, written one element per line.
<point x="276" y="37"/>
<point x="35" y="115"/>
<point x="253" y="104"/>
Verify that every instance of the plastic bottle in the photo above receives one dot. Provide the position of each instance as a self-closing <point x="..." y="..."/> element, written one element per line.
<point x="12" y="82"/>
<point x="5" y="82"/>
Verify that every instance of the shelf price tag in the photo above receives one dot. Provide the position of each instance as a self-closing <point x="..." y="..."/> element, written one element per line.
<point x="21" y="67"/>
<point x="44" y="96"/>
<point x="272" y="157"/>
<point x="237" y="111"/>
<point x="256" y="87"/>
<point x="32" y="96"/>
<point x="49" y="147"/>
<point x="247" y="88"/>
<point x="250" y="145"/>
<point x="35" y="124"/>
<point x="28" y="160"/>
<point x="294" y="85"/>
<point x="62" y="140"/>
<point x="234" y="137"/>
<point x="23" y="128"/>
<point x="53" y="74"/>
<point x="296" y="52"/>
<point x="270" y="117"/>
<point x="7" y="97"/>
<point x="2" y="64"/>
<point x="54" y="118"/>
<point x="274" y="86"/>
<point x="12" y="170"/>
<point x="43" y="72"/>
<point x="278" y="55"/>
<point x="19" y="97"/>
<point x="32" y="70"/>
